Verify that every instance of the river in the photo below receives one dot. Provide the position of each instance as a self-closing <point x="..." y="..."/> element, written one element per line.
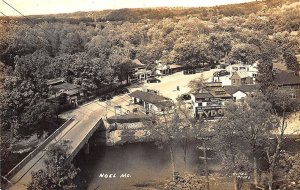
<point x="140" y="164"/>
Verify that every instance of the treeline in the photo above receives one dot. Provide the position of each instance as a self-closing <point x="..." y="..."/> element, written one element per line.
<point x="98" y="55"/>
<point x="138" y="14"/>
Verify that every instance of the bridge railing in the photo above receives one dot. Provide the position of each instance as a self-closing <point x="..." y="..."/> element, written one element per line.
<point x="18" y="167"/>
<point x="85" y="139"/>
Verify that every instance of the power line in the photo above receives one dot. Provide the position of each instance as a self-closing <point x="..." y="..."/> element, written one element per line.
<point x="41" y="39"/>
<point x="28" y="18"/>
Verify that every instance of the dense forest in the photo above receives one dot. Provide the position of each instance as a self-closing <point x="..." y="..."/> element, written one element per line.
<point x="95" y="49"/>
<point x="98" y="52"/>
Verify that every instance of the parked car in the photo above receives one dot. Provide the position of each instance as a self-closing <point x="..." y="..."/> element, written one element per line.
<point x="206" y="68"/>
<point x="185" y="97"/>
<point x="105" y="97"/>
<point x="224" y="73"/>
<point x="189" y="71"/>
<point x="153" y="80"/>
<point x="121" y="91"/>
<point x="221" y="73"/>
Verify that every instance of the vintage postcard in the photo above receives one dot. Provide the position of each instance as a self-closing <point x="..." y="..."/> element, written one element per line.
<point x="150" y="95"/>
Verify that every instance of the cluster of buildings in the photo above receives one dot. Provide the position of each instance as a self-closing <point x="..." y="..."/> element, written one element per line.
<point x="140" y="72"/>
<point x="64" y="92"/>
<point x="233" y="83"/>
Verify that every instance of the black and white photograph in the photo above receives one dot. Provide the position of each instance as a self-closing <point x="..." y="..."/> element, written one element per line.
<point x="150" y="94"/>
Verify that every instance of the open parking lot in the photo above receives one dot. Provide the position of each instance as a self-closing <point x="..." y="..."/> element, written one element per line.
<point x="168" y="85"/>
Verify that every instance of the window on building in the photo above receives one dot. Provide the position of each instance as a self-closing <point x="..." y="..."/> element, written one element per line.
<point x="293" y="96"/>
<point x="200" y="104"/>
<point x="233" y="81"/>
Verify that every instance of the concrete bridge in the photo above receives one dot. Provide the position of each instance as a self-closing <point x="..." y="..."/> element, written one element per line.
<point x="80" y="126"/>
<point x="77" y="132"/>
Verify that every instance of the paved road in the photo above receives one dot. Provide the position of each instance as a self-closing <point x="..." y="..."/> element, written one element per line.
<point x="88" y="115"/>
<point x="168" y="85"/>
<point x="75" y="133"/>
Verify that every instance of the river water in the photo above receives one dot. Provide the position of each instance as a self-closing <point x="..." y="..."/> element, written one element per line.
<point x="142" y="163"/>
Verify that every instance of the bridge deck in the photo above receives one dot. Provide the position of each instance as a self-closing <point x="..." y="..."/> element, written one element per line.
<point x="78" y="129"/>
<point x="78" y="132"/>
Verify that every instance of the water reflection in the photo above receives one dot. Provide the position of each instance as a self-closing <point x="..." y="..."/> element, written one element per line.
<point x="144" y="162"/>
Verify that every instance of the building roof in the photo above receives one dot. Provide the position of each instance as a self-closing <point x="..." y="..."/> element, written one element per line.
<point x="212" y="92"/>
<point x="59" y="86"/>
<point x="244" y="88"/>
<point x="137" y="62"/>
<point x="218" y="92"/>
<point x="279" y="66"/>
<point x="174" y="66"/>
<point x="55" y="81"/>
<point x="286" y="78"/>
<point x="202" y="95"/>
<point x="243" y="74"/>
<point x="65" y="86"/>
<point x="155" y="99"/>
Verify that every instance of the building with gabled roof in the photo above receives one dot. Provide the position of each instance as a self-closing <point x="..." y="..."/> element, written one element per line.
<point x="240" y="92"/>
<point x="150" y="101"/>
<point x="209" y="101"/>
<point x="239" y="78"/>
<point x="166" y="69"/>
<point x="139" y="71"/>
<point x="60" y="87"/>
<point x="289" y="82"/>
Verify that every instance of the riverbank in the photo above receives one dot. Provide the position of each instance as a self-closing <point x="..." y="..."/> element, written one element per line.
<point x="16" y="149"/>
<point x="144" y="166"/>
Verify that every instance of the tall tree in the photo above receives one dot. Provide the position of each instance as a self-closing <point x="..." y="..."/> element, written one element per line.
<point x="244" y="53"/>
<point x="249" y="120"/>
<point x="59" y="173"/>
<point x="191" y="51"/>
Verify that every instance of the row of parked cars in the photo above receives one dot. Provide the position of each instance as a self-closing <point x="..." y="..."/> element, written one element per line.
<point x="116" y="92"/>
<point x="221" y="73"/>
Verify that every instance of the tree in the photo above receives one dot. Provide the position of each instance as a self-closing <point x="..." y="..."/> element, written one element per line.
<point x="265" y="77"/>
<point x="197" y="84"/>
<point x="230" y="147"/>
<point x="282" y="105"/>
<point x="72" y="43"/>
<point x="25" y="93"/>
<point x="250" y="121"/>
<point x="244" y="53"/>
<point x="190" y="127"/>
<point x="59" y="173"/>
<point x="292" y="63"/>
<point x="219" y="45"/>
<point x="165" y="131"/>
<point x="292" y="174"/>
<point x="191" y="51"/>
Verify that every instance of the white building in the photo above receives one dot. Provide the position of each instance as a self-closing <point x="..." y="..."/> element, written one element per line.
<point x="209" y="102"/>
<point x="150" y="101"/>
<point x="139" y="72"/>
<point x="251" y="71"/>
<point x="240" y="92"/>
<point x="164" y="69"/>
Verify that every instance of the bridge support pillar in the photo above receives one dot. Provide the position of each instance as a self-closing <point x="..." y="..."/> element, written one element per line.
<point x="86" y="149"/>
